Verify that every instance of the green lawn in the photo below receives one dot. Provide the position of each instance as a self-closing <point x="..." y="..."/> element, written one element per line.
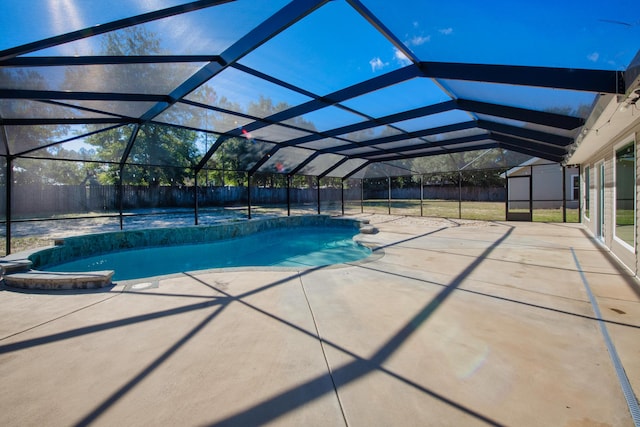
<point x="625" y="225"/>
<point x="624" y="217"/>
<point x="489" y="211"/>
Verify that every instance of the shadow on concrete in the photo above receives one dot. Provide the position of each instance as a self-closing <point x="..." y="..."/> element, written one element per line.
<point x="279" y="405"/>
<point x="511" y="300"/>
<point x="631" y="281"/>
<point x="91" y="417"/>
<point x="289" y="400"/>
<point x="400" y="242"/>
<point x="34" y="342"/>
<point x="528" y="264"/>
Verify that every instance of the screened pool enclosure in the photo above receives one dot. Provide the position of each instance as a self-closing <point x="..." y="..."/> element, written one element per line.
<point x="116" y="112"/>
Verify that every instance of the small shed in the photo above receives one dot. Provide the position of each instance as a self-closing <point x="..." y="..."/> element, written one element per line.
<point x="538" y="184"/>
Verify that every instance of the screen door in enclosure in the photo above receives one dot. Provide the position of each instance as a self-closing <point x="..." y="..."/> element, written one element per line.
<point x="519" y="201"/>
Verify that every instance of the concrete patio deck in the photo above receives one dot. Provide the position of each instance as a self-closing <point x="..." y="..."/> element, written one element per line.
<point x="458" y="323"/>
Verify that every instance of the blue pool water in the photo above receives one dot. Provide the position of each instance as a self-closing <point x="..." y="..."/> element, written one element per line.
<point x="294" y="247"/>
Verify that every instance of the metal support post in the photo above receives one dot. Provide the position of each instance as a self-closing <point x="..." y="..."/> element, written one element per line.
<point x="459" y="195"/>
<point x="120" y="196"/>
<point x="195" y="194"/>
<point x="8" y="189"/>
<point x="318" y="183"/>
<point x="389" y="195"/>
<point x="248" y="196"/>
<point x="288" y="195"/>
<point x="421" y="195"/>
<point x="342" y="195"/>
<point x="564" y="194"/>
<point x="531" y="192"/>
<point x="506" y="195"/>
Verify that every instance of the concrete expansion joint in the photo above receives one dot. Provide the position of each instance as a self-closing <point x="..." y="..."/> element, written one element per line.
<point x="324" y="353"/>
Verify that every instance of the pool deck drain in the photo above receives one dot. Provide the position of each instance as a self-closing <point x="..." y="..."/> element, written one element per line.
<point x="465" y="323"/>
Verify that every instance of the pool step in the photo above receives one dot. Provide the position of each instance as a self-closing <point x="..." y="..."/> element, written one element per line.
<point x="17" y="266"/>
<point x="368" y="229"/>
<point x="34" y="279"/>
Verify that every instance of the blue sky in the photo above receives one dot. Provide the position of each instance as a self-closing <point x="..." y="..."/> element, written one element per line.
<point x="588" y="34"/>
<point x="335" y="47"/>
<point x="24" y="21"/>
<point x="546" y="33"/>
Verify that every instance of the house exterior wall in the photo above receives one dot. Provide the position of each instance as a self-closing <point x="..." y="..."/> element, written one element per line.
<point x="627" y="254"/>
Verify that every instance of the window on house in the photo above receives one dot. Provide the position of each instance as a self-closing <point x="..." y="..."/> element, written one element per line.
<point x="575" y="187"/>
<point x="587" y="188"/>
<point x="625" y="193"/>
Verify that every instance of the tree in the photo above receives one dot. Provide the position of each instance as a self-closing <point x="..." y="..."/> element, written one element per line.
<point x="160" y="154"/>
<point x="30" y="138"/>
<point x="469" y="168"/>
<point x="237" y="155"/>
<point x="22" y="138"/>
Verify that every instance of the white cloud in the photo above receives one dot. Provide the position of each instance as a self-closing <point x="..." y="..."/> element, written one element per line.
<point x="419" y="40"/>
<point x="446" y="31"/>
<point x="401" y="57"/>
<point x="377" y="64"/>
<point x="593" y="57"/>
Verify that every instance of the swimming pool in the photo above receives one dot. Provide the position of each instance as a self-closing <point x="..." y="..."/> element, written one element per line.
<point x="304" y="247"/>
